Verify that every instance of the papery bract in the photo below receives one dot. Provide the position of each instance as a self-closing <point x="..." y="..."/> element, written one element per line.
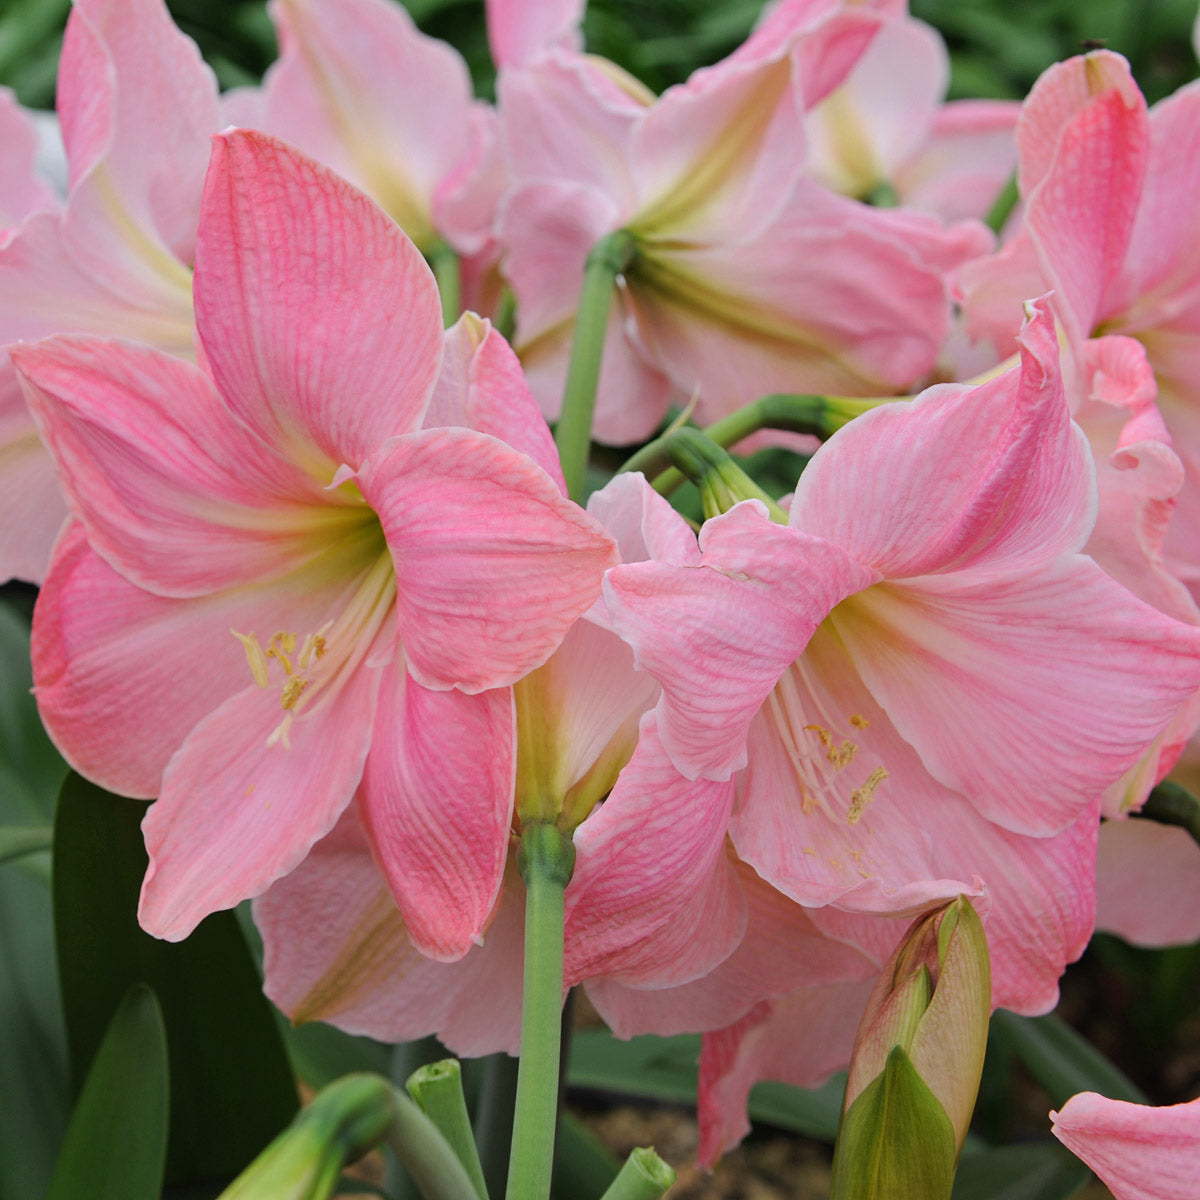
<point x="273" y="548"/>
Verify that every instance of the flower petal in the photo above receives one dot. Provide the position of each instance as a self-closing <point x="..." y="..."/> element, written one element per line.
<point x="319" y="319"/>
<point x="436" y="804"/>
<point x="493" y="564"/>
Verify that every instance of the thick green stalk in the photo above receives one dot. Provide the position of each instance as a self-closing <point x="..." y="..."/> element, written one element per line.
<point x="437" y="1088"/>
<point x="426" y="1155"/>
<point x="609" y="257"/>
<point x="643" y="1177"/>
<point x="546" y="859"/>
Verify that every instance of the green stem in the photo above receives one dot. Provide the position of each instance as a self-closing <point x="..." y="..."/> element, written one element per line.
<point x="722" y="483"/>
<point x="643" y="1177"/>
<point x="796" y="414"/>
<point x="505" y="317"/>
<point x="437" y="1088"/>
<point x="546" y="859"/>
<point x="426" y="1155"/>
<point x="608" y="258"/>
<point x="406" y="1058"/>
<point x="1003" y="205"/>
<point x="444" y="263"/>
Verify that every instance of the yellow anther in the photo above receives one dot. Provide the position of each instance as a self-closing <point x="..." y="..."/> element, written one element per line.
<point x="859" y="721"/>
<point x="292" y="691"/>
<point x="255" y="657"/>
<point x="862" y="796"/>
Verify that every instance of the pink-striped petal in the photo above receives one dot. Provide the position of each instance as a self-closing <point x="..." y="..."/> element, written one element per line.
<point x="1141" y="1153"/>
<point x="931" y="494"/>
<point x="320" y="320"/>
<point x="248" y="794"/>
<point x="653" y="899"/>
<point x="493" y="564"/>
<point x="177" y="495"/>
<point x="336" y="950"/>
<point x="436" y="804"/>
<point x="717" y="643"/>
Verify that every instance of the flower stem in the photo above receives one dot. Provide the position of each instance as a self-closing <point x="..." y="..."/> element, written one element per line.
<point x="643" y="1177"/>
<point x="546" y="860"/>
<point x="444" y="263"/>
<point x="608" y="258"/>
<point x="437" y="1088"/>
<point x="426" y="1155"/>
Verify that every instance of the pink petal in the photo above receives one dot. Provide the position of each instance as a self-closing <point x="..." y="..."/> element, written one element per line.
<point x="519" y="32"/>
<point x="21" y="190"/>
<point x="717" y="645"/>
<point x="1141" y="1153"/>
<point x="481" y="387"/>
<point x="929" y="493"/>
<point x="493" y="564"/>
<point x="800" y="1040"/>
<point x="137" y="105"/>
<point x="241" y="806"/>
<point x="1066" y="665"/>
<point x="97" y="635"/>
<point x="436" y="804"/>
<point x="1148" y="883"/>
<point x="781" y="951"/>
<point x="653" y="899"/>
<point x="173" y="492"/>
<point x="31" y="506"/>
<point x="643" y="522"/>
<point x="352" y="89"/>
<point x="320" y="320"/>
<point x="336" y="949"/>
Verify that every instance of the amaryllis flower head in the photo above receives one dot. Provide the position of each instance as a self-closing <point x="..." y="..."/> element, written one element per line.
<point x="894" y="674"/>
<point x="278" y="570"/>
<point x="746" y="276"/>
<point x="652" y="903"/>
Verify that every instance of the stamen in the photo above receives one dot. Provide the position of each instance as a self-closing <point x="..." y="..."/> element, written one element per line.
<point x="255" y="657"/>
<point x="862" y="796"/>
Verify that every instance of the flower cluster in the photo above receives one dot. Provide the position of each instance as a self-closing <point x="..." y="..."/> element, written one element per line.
<point x="311" y="577"/>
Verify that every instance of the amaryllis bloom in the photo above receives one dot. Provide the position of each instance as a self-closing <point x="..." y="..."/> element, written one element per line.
<point x="892" y="677"/>
<point x="293" y="573"/>
<point x="886" y="127"/>
<point x="746" y="276"/>
<point x="353" y="88"/>
<point x="137" y="105"/>
<point x="1141" y="1153"/>
<point x="653" y="902"/>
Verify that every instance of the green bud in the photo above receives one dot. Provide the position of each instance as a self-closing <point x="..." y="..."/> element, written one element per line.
<point x="344" y="1121"/>
<point x="917" y="1062"/>
<point x="721" y="481"/>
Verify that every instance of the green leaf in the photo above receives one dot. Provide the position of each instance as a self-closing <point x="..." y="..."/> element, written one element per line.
<point x="34" y="1095"/>
<point x="231" y="1084"/>
<point x="16" y="841"/>
<point x="1061" y="1060"/>
<point x="583" y="1165"/>
<point x="116" y="1144"/>
<point x="896" y="1141"/>
<point x="31" y="770"/>
<point x="1046" y="1171"/>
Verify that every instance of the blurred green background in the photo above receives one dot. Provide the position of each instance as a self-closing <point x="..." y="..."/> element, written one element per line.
<point x="998" y="48"/>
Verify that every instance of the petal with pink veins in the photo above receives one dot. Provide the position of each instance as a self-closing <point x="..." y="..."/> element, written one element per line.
<point x="319" y="318"/>
<point x="436" y="804"/>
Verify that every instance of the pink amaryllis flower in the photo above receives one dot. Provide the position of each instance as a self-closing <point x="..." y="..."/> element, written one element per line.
<point x="279" y="568"/>
<point x="896" y="674"/>
<point x="747" y="276"/>
<point x="653" y="902"/>
<point x="1141" y="1153"/>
